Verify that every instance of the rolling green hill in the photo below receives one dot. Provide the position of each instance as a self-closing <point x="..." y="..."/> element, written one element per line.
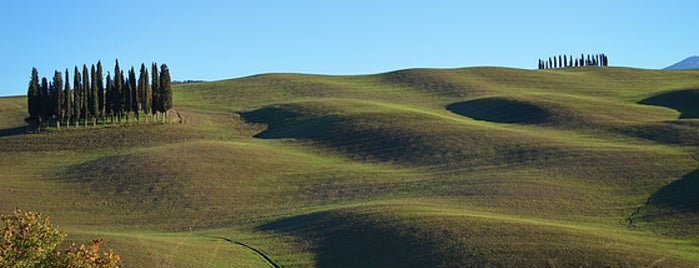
<point x="421" y="167"/>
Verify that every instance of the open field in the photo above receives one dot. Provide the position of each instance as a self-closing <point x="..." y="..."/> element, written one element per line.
<point x="421" y="167"/>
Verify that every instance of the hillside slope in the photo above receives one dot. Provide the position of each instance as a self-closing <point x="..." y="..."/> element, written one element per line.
<point x="420" y="167"/>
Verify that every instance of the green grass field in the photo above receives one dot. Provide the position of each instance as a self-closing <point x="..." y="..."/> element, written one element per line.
<point x="422" y="167"/>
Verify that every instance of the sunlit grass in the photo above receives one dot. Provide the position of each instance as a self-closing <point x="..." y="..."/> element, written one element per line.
<point x="365" y="170"/>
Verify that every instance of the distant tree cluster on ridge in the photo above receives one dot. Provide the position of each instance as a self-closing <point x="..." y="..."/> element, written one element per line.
<point x="91" y="97"/>
<point x="567" y="61"/>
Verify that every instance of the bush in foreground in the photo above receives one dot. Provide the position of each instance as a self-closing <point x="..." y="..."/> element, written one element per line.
<point x="30" y="240"/>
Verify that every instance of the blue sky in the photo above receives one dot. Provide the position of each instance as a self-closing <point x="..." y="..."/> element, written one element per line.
<point x="214" y="40"/>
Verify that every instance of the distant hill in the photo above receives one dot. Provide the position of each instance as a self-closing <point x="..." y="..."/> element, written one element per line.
<point x="688" y="63"/>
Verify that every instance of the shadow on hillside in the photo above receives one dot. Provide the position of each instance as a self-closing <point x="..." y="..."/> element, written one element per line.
<point x="685" y="101"/>
<point x="673" y="210"/>
<point x="681" y="195"/>
<point x="500" y="110"/>
<point x="683" y="132"/>
<point x="287" y="121"/>
<point x="13" y="131"/>
<point x="342" y="239"/>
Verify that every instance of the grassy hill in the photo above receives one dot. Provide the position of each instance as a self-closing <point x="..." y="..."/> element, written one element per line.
<point x="421" y="167"/>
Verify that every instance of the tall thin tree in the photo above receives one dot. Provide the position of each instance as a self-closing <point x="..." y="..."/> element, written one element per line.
<point x="145" y="91"/>
<point x="155" y="88"/>
<point x="133" y="86"/>
<point x="100" y="90"/>
<point x="110" y="98"/>
<point x="44" y="110"/>
<point x="77" y="96"/>
<point x="34" y="96"/>
<point x="165" y="90"/>
<point x="94" y="96"/>
<point x="87" y="91"/>
<point x="67" y="100"/>
<point x="118" y="90"/>
<point x="57" y="98"/>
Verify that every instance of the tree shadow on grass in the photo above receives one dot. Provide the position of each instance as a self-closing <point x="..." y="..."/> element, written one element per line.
<point x="14" y="131"/>
<point x="685" y="101"/>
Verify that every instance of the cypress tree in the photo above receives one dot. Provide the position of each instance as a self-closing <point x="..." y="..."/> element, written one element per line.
<point x="571" y="61"/>
<point x="118" y="87"/>
<point x="126" y="96"/>
<point x="165" y="89"/>
<point x="57" y="98"/>
<point x="145" y="91"/>
<point x="110" y="97"/>
<point x="33" y="96"/>
<point x="44" y="110"/>
<point x="560" y="62"/>
<point x="155" y="79"/>
<point x="100" y="91"/>
<point x="605" y="60"/>
<point x="67" y="101"/>
<point x="51" y="102"/>
<point x="94" y="96"/>
<point x="133" y="86"/>
<point x="87" y="95"/>
<point x="77" y="95"/>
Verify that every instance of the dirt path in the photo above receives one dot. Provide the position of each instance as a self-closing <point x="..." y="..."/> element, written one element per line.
<point x="258" y="252"/>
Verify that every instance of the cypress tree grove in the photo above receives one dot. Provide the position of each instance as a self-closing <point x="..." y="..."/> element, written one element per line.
<point x="165" y="89"/>
<point x="88" y="98"/>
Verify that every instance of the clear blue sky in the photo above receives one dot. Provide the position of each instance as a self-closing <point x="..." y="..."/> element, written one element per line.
<point x="213" y="40"/>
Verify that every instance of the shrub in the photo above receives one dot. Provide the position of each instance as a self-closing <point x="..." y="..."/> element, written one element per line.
<point x="30" y="240"/>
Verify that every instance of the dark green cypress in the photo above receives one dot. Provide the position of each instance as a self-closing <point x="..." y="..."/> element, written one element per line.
<point x="110" y="97"/>
<point x="67" y="100"/>
<point x="155" y="88"/>
<point x="118" y="87"/>
<point x="57" y="98"/>
<point x="77" y="96"/>
<point x="87" y="95"/>
<point x="126" y="96"/>
<point x="165" y="89"/>
<point x="100" y="90"/>
<point x="33" y="96"/>
<point x="44" y="110"/>
<point x="94" y="95"/>
<point x="133" y="88"/>
<point x="145" y="90"/>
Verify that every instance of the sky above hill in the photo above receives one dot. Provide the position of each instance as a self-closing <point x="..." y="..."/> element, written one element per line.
<point x="211" y="40"/>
